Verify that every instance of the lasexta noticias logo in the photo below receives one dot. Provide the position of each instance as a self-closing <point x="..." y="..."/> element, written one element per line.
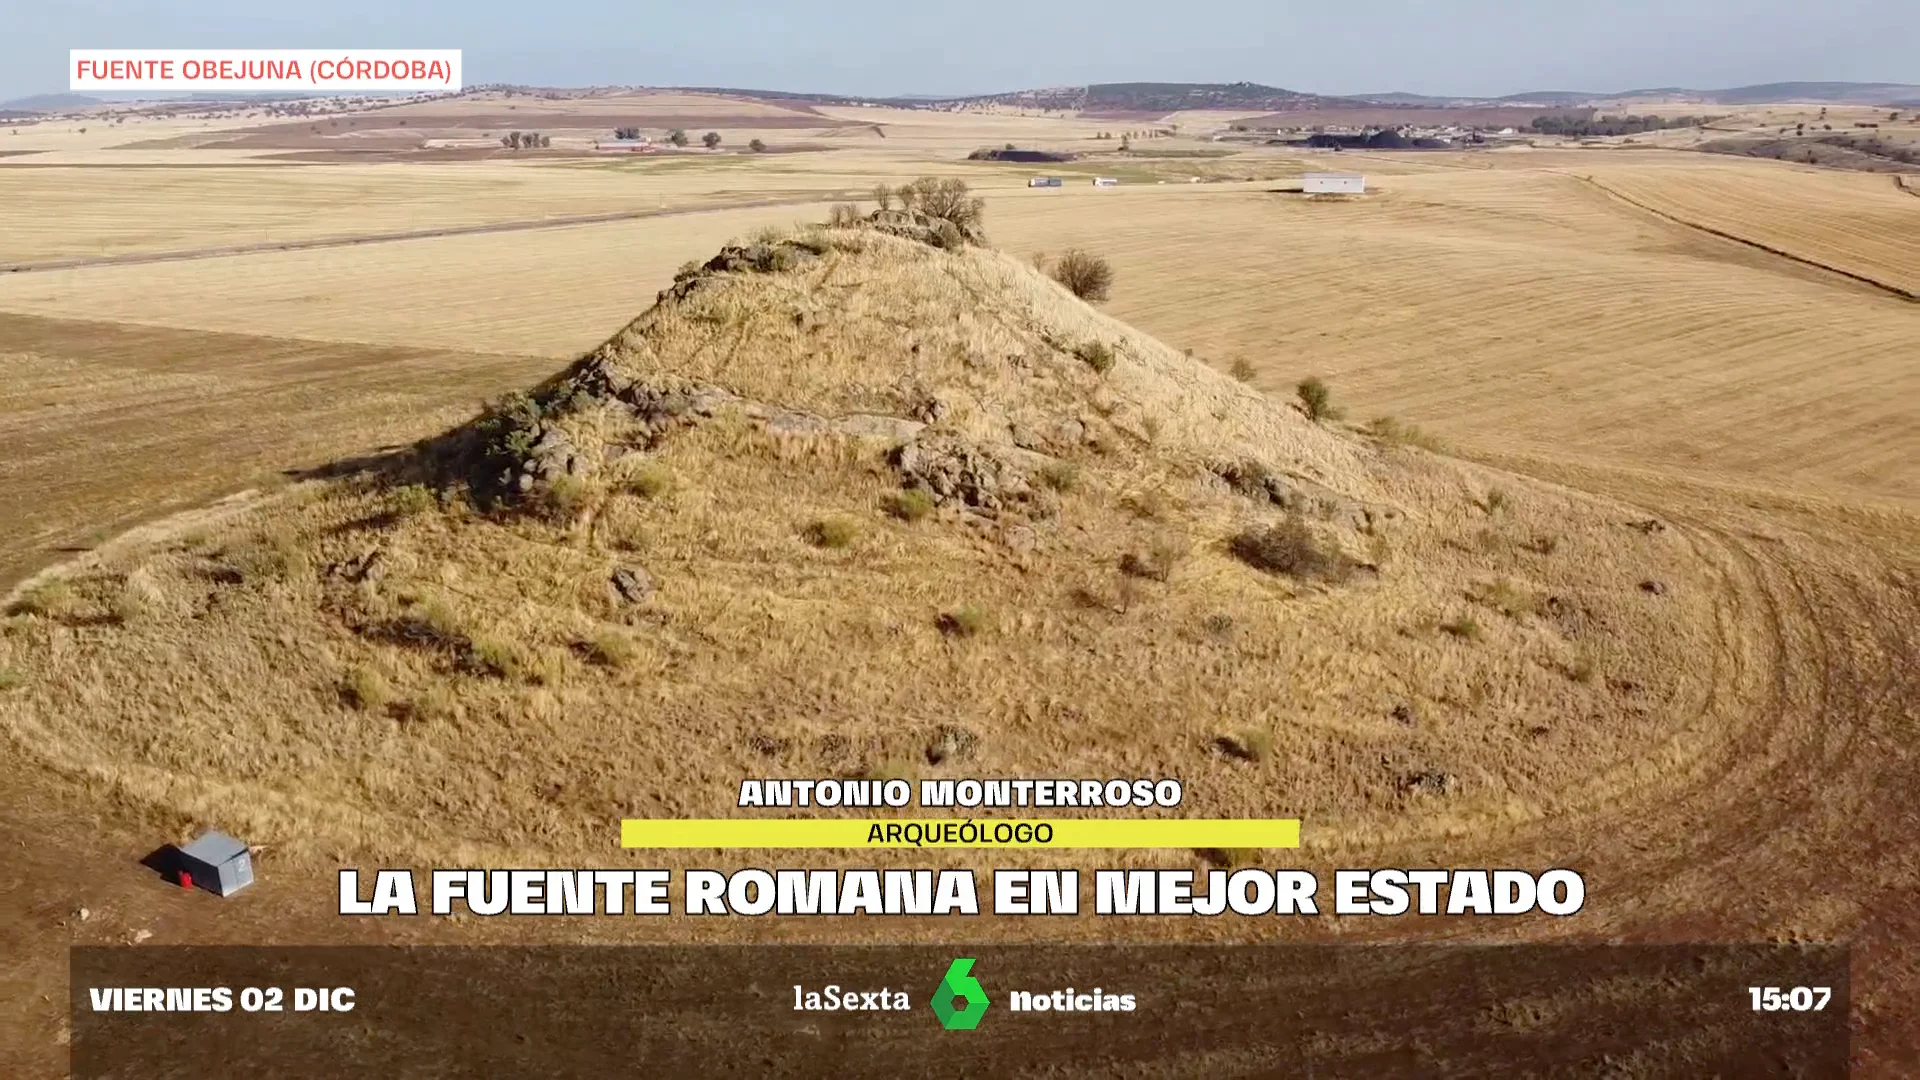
<point x="957" y="987"/>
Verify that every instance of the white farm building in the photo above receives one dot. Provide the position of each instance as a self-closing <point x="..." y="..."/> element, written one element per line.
<point x="1334" y="183"/>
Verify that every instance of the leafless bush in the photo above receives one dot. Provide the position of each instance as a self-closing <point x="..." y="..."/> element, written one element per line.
<point x="1085" y="275"/>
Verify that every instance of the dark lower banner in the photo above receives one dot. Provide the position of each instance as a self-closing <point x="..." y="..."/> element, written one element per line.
<point x="997" y="1010"/>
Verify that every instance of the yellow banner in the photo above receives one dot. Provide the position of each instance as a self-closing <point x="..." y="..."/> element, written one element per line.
<point x="959" y="833"/>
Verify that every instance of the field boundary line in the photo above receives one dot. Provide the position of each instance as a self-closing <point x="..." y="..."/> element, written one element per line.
<point x="1892" y="290"/>
<point x="138" y="258"/>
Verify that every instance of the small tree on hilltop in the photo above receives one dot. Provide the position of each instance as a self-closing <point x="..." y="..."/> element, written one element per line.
<point x="677" y="137"/>
<point x="948" y="199"/>
<point x="883" y="195"/>
<point x="710" y="140"/>
<point x="756" y="146"/>
<point x="1085" y="275"/>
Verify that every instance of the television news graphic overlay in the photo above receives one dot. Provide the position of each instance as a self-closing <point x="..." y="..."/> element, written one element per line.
<point x="317" y="70"/>
<point x="1386" y="1011"/>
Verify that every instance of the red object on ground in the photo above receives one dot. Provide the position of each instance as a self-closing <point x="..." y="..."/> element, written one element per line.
<point x="186" y="879"/>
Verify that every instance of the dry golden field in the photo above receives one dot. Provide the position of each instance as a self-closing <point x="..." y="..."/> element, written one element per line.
<point x="1650" y="609"/>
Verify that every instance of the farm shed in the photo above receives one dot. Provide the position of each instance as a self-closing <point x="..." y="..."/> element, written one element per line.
<point x="1334" y="183"/>
<point x="217" y="863"/>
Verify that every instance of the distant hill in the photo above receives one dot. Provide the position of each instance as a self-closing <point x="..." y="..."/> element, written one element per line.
<point x="1834" y="93"/>
<point x="1848" y="93"/>
<point x="1144" y="97"/>
<point x="1551" y="97"/>
<point x="41" y="103"/>
<point x="1165" y="97"/>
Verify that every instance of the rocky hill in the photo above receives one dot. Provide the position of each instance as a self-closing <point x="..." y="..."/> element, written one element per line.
<point x="868" y="500"/>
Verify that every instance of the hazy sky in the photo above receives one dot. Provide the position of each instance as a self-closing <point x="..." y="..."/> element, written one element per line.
<point x="883" y="47"/>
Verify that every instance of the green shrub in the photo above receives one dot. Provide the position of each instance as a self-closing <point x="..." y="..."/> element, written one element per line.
<point x="1290" y="548"/>
<point x="410" y="500"/>
<point x="11" y="679"/>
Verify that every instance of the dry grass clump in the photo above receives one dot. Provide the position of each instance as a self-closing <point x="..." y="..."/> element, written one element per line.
<point x="843" y="216"/>
<point x="1289" y="547"/>
<point x="909" y="505"/>
<point x="967" y="620"/>
<point x="51" y="599"/>
<point x="1393" y="432"/>
<point x="1097" y="355"/>
<point x="1086" y="275"/>
<point x="1464" y="627"/>
<point x="1543" y="544"/>
<point x="1158" y="561"/>
<point x="609" y="648"/>
<point x="833" y="532"/>
<point x="11" y="679"/>
<point x="566" y="498"/>
<point x="136" y="600"/>
<point x="1229" y="858"/>
<point x="1242" y="369"/>
<point x="366" y="689"/>
<point x="1247" y="744"/>
<point x="275" y="554"/>
<point x="1507" y="598"/>
<point x="1059" y="475"/>
<point x="649" y="480"/>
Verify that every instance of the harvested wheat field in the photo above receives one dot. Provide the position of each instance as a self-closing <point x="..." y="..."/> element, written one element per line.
<point x="1522" y="311"/>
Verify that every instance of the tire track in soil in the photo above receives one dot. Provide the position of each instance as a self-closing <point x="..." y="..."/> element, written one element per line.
<point x="1875" y="283"/>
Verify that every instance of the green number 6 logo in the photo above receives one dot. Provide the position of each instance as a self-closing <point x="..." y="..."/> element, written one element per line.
<point x="959" y="984"/>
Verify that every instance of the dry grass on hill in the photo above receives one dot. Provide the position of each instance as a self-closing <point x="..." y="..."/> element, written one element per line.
<point x="838" y="493"/>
